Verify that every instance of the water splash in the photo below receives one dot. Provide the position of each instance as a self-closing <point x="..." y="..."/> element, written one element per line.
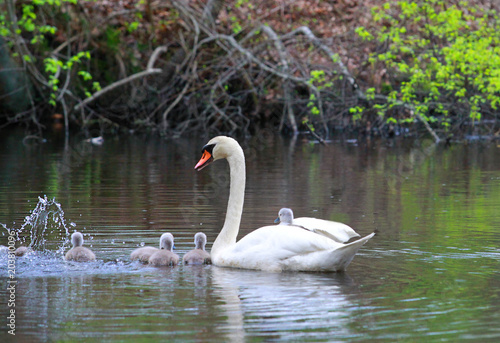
<point x="46" y="220"/>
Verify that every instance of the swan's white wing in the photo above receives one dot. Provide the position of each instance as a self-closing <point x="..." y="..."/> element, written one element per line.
<point x="339" y="232"/>
<point x="269" y="247"/>
<point x="327" y="260"/>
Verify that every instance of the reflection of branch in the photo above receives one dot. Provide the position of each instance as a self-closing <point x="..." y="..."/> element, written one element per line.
<point x="149" y="71"/>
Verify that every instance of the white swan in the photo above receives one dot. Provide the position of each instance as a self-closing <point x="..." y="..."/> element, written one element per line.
<point x="337" y="231"/>
<point x="78" y="252"/>
<point x="198" y="255"/>
<point x="165" y="256"/>
<point x="271" y="248"/>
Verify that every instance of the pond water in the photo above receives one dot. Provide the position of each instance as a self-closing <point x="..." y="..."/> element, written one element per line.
<point x="430" y="274"/>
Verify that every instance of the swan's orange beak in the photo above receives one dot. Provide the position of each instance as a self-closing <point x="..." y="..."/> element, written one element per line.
<point x="205" y="160"/>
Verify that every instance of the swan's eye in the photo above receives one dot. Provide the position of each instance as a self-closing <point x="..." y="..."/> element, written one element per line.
<point x="208" y="148"/>
<point x="206" y="158"/>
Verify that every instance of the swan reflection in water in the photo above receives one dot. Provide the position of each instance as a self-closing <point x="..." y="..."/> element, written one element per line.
<point x="290" y="305"/>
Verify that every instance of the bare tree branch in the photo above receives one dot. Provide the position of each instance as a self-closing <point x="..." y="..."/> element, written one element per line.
<point x="149" y="71"/>
<point x="343" y="69"/>
<point x="286" y="84"/>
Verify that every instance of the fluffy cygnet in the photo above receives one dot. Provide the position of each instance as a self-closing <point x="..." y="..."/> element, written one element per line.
<point x="79" y="253"/>
<point x="165" y="256"/>
<point x="198" y="255"/>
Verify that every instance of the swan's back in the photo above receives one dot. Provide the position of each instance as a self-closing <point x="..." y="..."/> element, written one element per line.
<point x="268" y="247"/>
<point x="334" y="260"/>
<point x="339" y="232"/>
<point x="281" y="248"/>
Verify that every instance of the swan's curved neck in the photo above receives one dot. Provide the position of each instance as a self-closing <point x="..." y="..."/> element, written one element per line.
<point x="229" y="232"/>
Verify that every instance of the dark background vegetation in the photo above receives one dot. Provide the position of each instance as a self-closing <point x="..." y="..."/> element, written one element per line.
<point x="181" y="67"/>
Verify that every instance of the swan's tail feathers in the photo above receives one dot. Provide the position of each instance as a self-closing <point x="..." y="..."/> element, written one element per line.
<point x="345" y="254"/>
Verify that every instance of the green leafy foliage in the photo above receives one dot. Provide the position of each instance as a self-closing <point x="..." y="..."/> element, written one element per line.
<point x="319" y="81"/>
<point x="445" y="58"/>
<point x="54" y="66"/>
<point x="356" y="112"/>
<point x="33" y="24"/>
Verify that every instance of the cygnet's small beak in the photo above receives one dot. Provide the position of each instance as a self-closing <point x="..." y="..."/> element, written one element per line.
<point x="277" y="220"/>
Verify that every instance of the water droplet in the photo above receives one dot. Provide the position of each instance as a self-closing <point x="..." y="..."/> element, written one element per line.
<point x="142" y="244"/>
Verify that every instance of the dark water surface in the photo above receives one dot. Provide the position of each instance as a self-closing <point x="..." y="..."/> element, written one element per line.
<point x="431" y="274"/>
